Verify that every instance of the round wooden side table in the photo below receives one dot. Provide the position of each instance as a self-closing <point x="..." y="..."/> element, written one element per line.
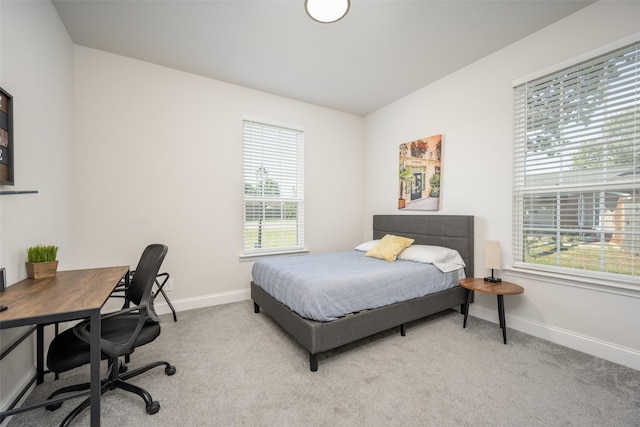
<point x="500" y="289"/>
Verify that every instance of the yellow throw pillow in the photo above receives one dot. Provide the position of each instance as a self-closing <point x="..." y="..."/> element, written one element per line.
<point x="389" y="247"/>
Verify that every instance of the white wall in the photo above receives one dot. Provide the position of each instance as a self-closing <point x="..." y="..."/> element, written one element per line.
<point x="159" y="159"/>
<point x="36" y="68"/>
<point x="472" y="108"/>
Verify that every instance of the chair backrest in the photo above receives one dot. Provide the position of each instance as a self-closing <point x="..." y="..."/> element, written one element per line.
<point x="139" y="289"/>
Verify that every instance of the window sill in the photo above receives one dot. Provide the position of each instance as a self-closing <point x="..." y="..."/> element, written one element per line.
<point x="253" y="257"/>
<point x="594" y="282"/>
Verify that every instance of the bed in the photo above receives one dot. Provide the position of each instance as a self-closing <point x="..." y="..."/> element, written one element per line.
<point x="452" y="231"/>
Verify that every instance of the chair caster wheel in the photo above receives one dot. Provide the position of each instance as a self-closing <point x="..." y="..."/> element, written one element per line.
<point x="170" y="370"/>
<point x="153" y="408"/>
<point x="53" y="406"/>
<point x="123" y="368"/>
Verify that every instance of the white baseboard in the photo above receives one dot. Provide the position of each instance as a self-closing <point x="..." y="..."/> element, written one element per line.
<point x="200" y="302"/>
<point x="605" y="350"/>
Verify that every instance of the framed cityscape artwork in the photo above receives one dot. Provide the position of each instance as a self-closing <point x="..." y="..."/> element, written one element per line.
<point x="6" y="138"/>
<point x="419" y="178"/>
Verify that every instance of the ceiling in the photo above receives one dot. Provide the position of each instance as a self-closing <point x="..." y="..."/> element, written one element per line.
<point x="381" y="51"/>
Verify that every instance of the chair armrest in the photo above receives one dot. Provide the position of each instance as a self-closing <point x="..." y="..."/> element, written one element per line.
<point x="127" y="310"/>
<point x="161" y="280"/>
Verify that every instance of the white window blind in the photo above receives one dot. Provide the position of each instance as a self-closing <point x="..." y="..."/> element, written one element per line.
<point x="273" y="188"/>
<point x="576" y="198"/>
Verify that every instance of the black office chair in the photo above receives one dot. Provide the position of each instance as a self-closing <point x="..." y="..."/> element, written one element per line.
<point x="121" y="333"/>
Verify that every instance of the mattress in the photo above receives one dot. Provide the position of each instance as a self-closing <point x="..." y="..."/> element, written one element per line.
<point x="327" y="286"/>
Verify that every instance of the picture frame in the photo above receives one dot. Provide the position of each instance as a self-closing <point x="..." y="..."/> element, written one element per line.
<point x="6" y="138"/>
<point x="419" y="174"/>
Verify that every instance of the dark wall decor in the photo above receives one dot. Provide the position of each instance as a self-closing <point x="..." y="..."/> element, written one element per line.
<point x="6" y="138"/>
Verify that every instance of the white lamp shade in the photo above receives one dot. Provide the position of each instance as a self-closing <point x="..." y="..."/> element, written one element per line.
<point x="327" y="11"/>
<point x="492" y="255"/>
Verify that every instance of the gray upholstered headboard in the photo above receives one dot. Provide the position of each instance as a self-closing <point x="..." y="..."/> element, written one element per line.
<point x="452" y="231"/>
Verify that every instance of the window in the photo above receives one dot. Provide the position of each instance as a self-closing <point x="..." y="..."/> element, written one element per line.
<point x="273" y="188"/>
<point x="576" y="193"/>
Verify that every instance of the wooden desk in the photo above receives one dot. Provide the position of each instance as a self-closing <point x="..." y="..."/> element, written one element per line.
<point x="70" y="295"/>
<point x="500" y="289"/>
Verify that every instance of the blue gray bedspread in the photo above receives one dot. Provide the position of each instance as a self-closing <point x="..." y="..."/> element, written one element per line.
<point x="326" y="286"/>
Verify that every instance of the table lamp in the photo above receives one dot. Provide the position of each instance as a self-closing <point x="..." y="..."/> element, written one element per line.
<point x="492" y="260"/>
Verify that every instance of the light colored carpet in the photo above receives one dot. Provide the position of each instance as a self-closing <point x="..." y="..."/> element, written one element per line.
<point x="237" y="368"/>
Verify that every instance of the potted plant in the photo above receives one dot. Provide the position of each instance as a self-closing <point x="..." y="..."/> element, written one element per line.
<point x="434" y="181"/>
<point x="406" y="176"/>
<point x="41" y="261"/>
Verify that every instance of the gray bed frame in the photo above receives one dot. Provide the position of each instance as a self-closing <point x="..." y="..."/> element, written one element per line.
<point x="453" y="231"/>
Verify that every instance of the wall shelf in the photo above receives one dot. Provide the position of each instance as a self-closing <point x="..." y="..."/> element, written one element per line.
<point x="6" y="193"/>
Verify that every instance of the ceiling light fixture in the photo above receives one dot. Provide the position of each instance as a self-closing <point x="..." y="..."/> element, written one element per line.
<point x="327" y="11"/>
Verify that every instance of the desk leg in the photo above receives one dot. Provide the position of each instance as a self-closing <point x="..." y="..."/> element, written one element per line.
<point x="95" y="367"/>
<point x="503" y="323"/>
<point x="40" y="354"/>
<point x="466" y="306"/>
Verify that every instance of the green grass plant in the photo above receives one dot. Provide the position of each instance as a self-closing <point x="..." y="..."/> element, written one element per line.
<point x="42" y="253"/>
<point x="588" y="257"/>
<point x="271" y="237"/>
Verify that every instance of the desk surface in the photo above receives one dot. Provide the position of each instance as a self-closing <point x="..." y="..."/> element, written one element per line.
<point x="68" y="295"/>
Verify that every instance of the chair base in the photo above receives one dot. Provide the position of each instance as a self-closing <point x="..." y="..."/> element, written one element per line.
<point x="115" y="379"/>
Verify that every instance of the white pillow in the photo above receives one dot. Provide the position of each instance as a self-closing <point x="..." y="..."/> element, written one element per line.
<point x="367" y="246"/>
<point x="445" y="259"/>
